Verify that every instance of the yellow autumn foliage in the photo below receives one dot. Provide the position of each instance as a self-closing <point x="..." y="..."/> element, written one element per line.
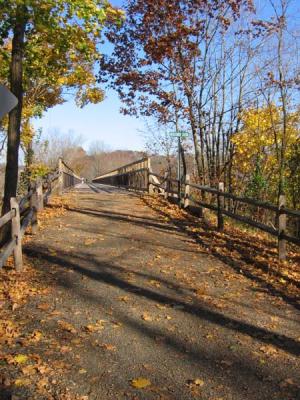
<point x="260" y="139"/>
<point x="37" y="169"/>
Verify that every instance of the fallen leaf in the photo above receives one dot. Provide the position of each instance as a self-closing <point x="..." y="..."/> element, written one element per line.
<point x="268" y="349"/>
<point x="43" y="306"/>
<point x="287" y="382"/>
<point x="109" y="347"/>
<point x="90" y="241"/>
<point x="124" y="298"/>
<point x="82" y="371"/>
<point x="20" y="358"/>
<point x="76" y="341"/>
<point x="66" y="326"/>
<point x="43" y="369"/>
<point x="42" y="383"/>
<point x="36" y="336"/>
<point x="154" y="283"/>
<point x="29" y="370"/>
<point x="22" y="382"/>
<point x="117" y="325"/>
<point x="226" y="363"/>
<point x="198" y="382"/>
<point x="95" y="327"/>
<point x="209" y="336"/>
<point x="65" y="349"/>
<point x="140" y="383"/>
<point x="146" y="317"/>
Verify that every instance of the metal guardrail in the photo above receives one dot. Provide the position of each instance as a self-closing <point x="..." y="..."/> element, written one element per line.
<point x="24" y="212"/>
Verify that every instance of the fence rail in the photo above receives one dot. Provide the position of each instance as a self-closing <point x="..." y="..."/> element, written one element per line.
<point x="281" y="212"/>
<point x="128" y="176"/>
<point x="67" y="177"/>
<point x="132" y="176"/>
<point x="24" y="212"/>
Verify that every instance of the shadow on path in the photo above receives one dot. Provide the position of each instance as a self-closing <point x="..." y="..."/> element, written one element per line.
<point x="105" y="273"/>
<point x="244" y="266"/>
<point x="132" y="219"/>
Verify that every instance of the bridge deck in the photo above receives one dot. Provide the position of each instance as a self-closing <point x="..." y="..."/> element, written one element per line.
<point x="142" y="299"/>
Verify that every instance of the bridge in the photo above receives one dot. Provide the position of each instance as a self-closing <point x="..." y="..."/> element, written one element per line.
<point x="135" y="296"/>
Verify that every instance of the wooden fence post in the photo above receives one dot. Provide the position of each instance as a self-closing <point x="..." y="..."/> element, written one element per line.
<point x="39" y="194"/>
<point x="150" y="186"/>
<point x="149" y="177"/>
<point x="186" y="200"/>
<point x="16" y="234"/>
<point x="49" y="189"/>
<point x="281" y="228"/>
<point x="34" y="206"/>
<point x="220" y="215"/>
<point x="166" y="194"/>
<point x="60" y="177"/>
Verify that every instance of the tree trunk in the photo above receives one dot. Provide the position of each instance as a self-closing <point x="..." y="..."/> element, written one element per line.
<point x="13" y="134"/>
<point x="183" y="160"/>
<point x="195" y="138"/>
<point x="283" y="95"/>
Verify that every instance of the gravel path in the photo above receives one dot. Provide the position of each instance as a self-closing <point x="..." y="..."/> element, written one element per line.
<point x="133" y="297"/>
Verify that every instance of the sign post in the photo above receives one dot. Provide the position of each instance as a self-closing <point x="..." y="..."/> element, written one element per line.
<point x="180" y="135"/>
<point x="8" y="101"/>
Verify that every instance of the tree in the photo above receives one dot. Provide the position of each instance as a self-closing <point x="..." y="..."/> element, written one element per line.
<point x="171" y="61"/>
<point x="282" y="79"/>
<point x="55" y="144"/>
<point x="293" y="176"/>
<point x="68" y="30"/>
<point x="96" y="151"/>
<point x="158" y="141"/>
<point x="257" y="161"/>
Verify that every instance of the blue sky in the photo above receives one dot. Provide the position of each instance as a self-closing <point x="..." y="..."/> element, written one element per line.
<point x="101" y="122"/>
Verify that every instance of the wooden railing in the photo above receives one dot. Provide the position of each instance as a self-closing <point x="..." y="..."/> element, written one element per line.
<point x="24" y="212"/>
<point x="181" y="191"/>
<point x="131" y="176"/>
<point x="139" y="176"/>
<point x="67" y="177"/>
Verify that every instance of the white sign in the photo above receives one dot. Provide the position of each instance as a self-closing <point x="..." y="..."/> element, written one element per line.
<point x="8" y="101"/>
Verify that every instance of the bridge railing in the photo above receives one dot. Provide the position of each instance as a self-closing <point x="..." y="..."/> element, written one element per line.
<point x="139" y="176"/>
<point x="24" y="211"/>
<point x="67" y="177"/>
<point x="131" y="176"/>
